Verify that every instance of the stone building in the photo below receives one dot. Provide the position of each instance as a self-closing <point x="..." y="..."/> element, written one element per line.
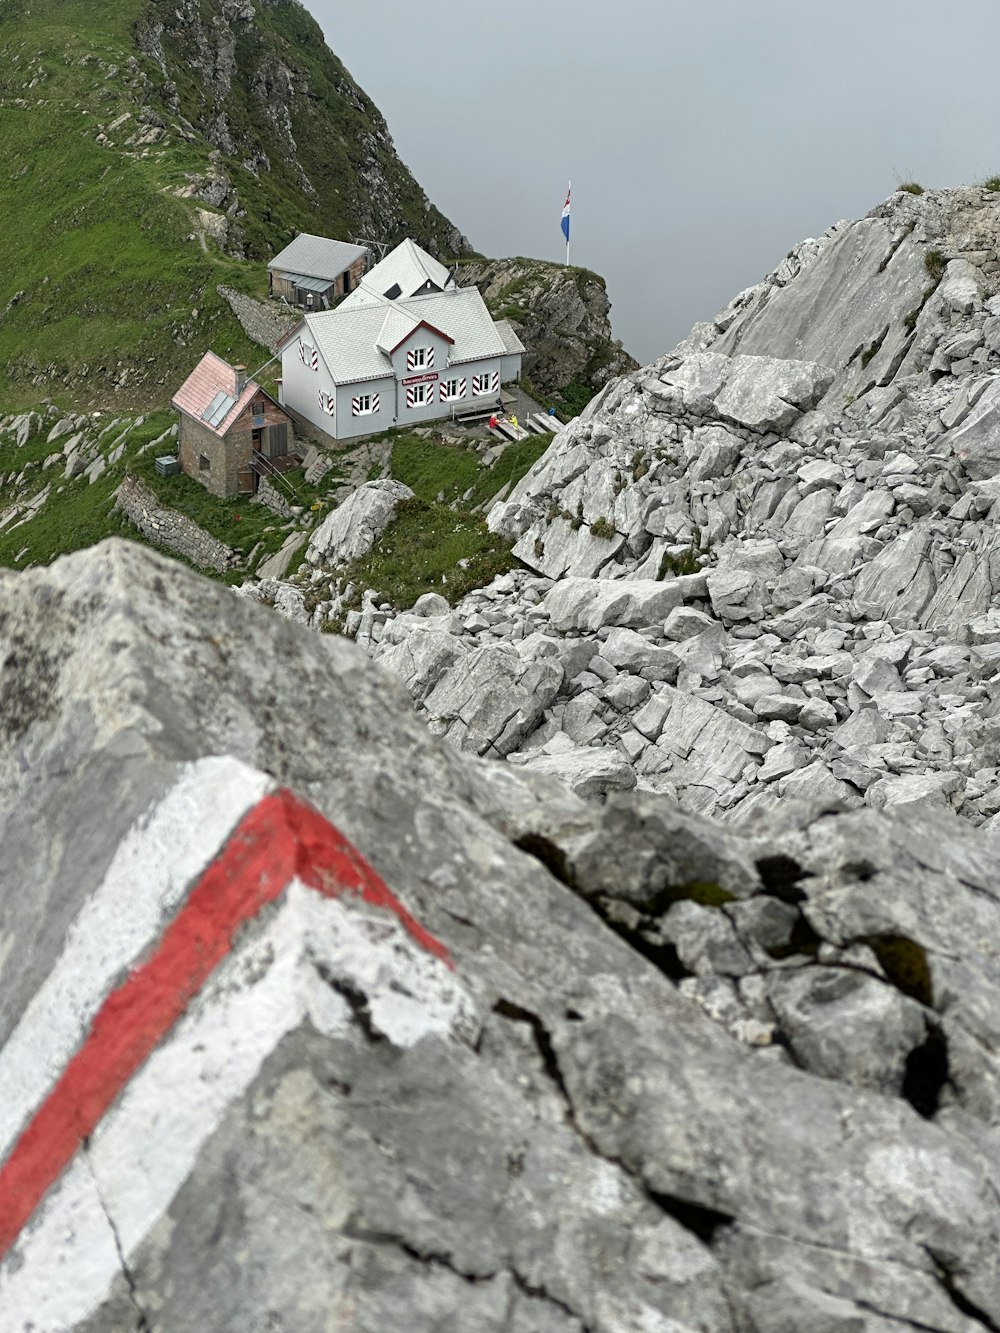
<point x="313" y="271"/>
<point x="231" y="431"/>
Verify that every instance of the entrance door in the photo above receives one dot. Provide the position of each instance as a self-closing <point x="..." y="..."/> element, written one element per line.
<point x="278" y="442"/>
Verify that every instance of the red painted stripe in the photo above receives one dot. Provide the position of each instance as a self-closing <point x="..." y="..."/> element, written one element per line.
<point x="279" y="840"/>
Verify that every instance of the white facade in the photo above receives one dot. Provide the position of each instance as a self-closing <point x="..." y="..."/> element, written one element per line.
<point x="339" y="410"/>
<point x="377" y="363"/>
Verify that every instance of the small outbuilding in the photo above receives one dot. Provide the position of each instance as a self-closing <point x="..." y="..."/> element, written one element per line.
<point x="313" y="271"/>
<point x="232" y="432"/>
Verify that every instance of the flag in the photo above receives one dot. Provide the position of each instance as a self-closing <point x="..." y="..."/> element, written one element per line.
<point x="565" y="217"/>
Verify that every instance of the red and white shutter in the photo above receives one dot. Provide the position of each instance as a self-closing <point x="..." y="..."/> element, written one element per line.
<point x="327" y="403"/>
<point x="308" y="355"/>
<point x="411" y="395"/>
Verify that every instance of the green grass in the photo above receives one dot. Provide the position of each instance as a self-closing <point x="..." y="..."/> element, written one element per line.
<point x="97" y="246"/>
<point x="910" y="187"/>
<point x="517" y="459"/>
<point x="935" y="263"/>
<point x="430" y="467"/>
<point x="992" y="183"/>
<point x="77" y="513"/>
<point x="421" y="550"/>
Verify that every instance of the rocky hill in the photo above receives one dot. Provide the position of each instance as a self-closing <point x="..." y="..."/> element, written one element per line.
<point x="763" y="568"/>
<point x="309" y="1021"/>
<point x="562" y="316"/>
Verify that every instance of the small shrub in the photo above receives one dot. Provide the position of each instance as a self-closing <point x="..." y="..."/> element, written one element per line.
<point x="868" y="353"/>
<point x="992" y="183"/>
<point x="935" y="263"/>
<point x="910" y="187"/>
<point x="602" y="528"/>
<point x="679" y="564"/>
<point x="910" y="319"/>
<point x="640" y="465"/>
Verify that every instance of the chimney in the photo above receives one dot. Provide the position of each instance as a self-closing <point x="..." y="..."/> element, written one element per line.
<point x="241" y="379"/>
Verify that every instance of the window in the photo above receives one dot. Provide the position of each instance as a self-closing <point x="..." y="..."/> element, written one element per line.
<point x="418" y="395"/>
<point x="204" y="463"/>
<point x="364" y="404"/>
<point x="486" y="384"/>
<point x="420" y="358"/>
<point x="452" y="390"/>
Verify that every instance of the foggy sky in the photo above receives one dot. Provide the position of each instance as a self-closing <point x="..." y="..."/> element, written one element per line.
<point x="703" y="139"/>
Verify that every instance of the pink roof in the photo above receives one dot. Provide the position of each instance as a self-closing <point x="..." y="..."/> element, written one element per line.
<point x="211" y="376"/>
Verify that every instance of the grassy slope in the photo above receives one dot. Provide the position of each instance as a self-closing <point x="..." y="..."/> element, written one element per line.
<point x="99" y="254"/>
<point x="338" y="131"/>
<point x="95" y="246"/>
<point x="435" y="546"/>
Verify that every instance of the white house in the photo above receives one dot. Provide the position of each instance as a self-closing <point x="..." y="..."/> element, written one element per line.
<point x="406" y="271"/>
<point x="378" y="361"/>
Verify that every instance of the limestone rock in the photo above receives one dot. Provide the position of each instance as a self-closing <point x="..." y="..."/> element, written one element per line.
<point x="452" y="1056"/>
<point x="352" y="529"/>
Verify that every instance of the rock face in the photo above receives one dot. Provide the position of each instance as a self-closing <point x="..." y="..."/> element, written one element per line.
<point x="308" y="1020"/>
<point x="352" y="529"/>
<point x="561" y="315"/>
<point x="265" y="84"/>
<point x="809" y="483"/>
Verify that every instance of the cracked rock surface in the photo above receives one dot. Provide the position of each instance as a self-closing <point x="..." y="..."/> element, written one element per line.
<point x="682" y="1075"/>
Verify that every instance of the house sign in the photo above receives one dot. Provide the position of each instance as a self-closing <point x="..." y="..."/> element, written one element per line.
<point x="420" y="379"/>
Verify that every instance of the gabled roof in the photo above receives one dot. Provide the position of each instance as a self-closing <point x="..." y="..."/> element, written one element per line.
<point x="460" y="313"/>
<point x="209" y="394"/>
<point x="355" y="341"/>
<point x="317" y="257"/>
<point x="409" y="268"/>
<point x="397" y="325"/>
<point x="511" y="341"/>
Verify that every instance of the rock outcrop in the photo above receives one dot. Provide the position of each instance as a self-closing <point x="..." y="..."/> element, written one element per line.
<point x="562" y="315"/>
<point x="810" y="482"/>
<point x="308" y="1020"/>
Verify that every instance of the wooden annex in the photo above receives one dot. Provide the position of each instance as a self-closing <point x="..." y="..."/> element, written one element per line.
<point x="232" y="432"/>
<point x="314" y="271"/>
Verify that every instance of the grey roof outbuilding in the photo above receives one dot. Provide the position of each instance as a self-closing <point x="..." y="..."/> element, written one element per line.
<point x="316" y="257"/>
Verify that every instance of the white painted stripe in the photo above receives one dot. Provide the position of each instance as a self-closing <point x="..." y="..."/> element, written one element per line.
<point x="62" y="1267"/>
<point x="158" y="860"/>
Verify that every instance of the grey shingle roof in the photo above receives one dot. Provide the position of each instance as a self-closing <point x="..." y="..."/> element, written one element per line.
<point x="408" y="267"/>
<point x="355" y="340"/>
<point x="512" y="343"/>
<point x="316" y="256"/>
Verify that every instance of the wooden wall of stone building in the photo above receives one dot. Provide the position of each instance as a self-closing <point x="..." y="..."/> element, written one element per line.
<point x="282" y="286"/>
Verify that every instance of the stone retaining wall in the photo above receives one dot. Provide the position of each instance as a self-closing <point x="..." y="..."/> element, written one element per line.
<point x="172" y="531"/>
